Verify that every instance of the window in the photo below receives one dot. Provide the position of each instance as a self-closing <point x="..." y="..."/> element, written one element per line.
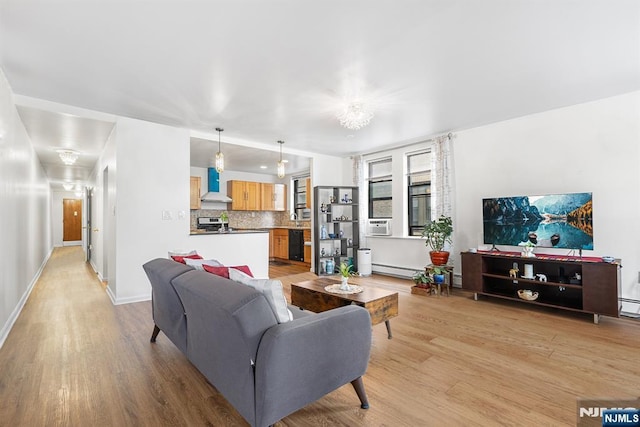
<point x="419" y="191"/>
<point x="380" y="188"/>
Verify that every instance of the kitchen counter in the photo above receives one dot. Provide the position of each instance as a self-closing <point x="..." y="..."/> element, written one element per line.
<point x="233" y="231"/>
<point x="287" y="227"/>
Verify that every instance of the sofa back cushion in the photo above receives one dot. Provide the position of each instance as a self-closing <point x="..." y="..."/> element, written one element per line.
<point x="168" y="312"/>
<point x="226" y="323"/>
<point x="272" y="291"/>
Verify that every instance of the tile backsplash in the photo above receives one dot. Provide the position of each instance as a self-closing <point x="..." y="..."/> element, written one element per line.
<point x="247" y="219"/>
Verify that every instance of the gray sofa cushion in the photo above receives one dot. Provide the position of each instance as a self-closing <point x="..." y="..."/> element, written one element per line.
<point x="168" y="312"/>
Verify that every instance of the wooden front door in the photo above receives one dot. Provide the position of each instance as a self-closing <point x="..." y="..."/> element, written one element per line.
<point x="71" y="220"/>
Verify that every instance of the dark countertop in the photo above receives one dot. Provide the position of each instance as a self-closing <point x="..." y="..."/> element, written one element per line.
<point x="233" y="231"/>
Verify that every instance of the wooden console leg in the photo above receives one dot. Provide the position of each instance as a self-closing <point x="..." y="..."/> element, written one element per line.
<point x="388" y="325"/>
<point x="358" y="386"/>
<point x="156" y="331"/>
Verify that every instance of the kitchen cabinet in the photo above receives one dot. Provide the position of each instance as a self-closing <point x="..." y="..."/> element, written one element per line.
<point x="194" y="192"/>
<point x="307" y="248"/>
<point x="336" y="228"/>
<point x="245" y="195"/>
<point x="281" y="243"/>
<point x="273" y="197"/>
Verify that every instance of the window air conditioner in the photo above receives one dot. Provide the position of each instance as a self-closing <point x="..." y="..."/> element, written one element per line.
<point x="379" y="227"/>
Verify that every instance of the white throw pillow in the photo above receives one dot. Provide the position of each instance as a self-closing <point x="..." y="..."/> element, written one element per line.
<point x="197" y="263"/>
<point x="271" y="289"/>
<point x="181" y="252"/>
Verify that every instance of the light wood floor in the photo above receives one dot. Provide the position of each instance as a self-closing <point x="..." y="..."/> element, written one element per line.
<point x="74" y="359"/>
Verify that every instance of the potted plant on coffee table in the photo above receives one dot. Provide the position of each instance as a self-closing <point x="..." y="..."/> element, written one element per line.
<point x="438" y="232"/>
<point x="345" y="272"/>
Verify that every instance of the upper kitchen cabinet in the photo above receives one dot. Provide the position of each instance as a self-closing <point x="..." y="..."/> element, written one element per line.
<point x="194" y="192"/>
<point x="245" y="195"/>
<point x="274" y="197"/>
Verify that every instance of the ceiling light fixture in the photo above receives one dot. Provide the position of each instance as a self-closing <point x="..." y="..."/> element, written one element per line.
<point x="219" y="155"/>
<point x="355" y="115"/>
<point x="67" y="186"/>
<point x="280" y="163"/>
<point x="69" y="157"/>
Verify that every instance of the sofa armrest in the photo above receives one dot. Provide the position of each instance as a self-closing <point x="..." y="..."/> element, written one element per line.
<point x="300" y="361"/>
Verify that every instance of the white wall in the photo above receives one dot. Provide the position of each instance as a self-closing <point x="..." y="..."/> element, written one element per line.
<point x="103" y="200"/>
<point x="25" y="208"/>
<point x="152" y="177"/>
<point x="592" y="147"/>
<point x="397" y="254"/>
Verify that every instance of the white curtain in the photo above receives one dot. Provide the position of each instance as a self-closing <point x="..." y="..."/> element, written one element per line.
<point x="442" y="177"/>
<point x="359" y="181"/>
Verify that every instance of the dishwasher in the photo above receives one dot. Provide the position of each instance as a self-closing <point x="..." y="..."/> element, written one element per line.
<point x="296" y="245"/>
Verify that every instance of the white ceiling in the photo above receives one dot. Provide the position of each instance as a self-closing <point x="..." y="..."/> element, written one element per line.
<point x="270" y="70"/>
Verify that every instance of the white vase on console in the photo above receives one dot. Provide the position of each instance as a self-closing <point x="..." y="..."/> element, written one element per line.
<point x="527" y="252"/>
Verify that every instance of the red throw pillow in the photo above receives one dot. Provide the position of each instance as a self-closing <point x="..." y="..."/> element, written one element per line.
<point x="180" y="258"/>
<point x="224" y="271"/>
<point x="218" y="271"/>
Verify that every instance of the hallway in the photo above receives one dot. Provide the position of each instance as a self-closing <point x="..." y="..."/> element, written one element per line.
<point x="73" y="358"/>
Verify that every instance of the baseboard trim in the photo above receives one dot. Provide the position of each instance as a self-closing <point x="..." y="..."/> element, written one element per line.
<point x="6" y="329"/>
<point x="128" y="300"/>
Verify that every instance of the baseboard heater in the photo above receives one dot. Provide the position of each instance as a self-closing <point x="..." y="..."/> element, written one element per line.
<point x="394" y="270"/>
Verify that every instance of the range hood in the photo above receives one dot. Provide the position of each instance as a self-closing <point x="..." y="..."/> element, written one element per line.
<point x="213" y="188"/>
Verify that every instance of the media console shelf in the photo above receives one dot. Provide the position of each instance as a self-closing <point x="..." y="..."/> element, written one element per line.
<point x="578" y="284"/>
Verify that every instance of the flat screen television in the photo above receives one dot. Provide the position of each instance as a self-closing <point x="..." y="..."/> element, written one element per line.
<point x="553" y="220"/>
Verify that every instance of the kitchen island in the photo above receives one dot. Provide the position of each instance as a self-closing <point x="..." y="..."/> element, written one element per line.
<point x="235" y="247"/>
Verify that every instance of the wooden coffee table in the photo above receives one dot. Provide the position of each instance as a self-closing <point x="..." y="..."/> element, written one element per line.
<point x="310" y="295"/>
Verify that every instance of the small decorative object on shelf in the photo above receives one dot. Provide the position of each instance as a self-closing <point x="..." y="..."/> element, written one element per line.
<point x="527" y="294"/>
<point x="527" y="249"/>
<point x="541" y="277"/>
<point x="323" y="208"/>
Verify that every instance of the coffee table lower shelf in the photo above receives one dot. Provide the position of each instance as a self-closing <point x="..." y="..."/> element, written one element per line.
<point x="381" y="304"/>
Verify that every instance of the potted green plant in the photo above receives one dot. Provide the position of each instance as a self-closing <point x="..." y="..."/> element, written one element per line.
<point x="422" y="282"/>
<point x="422" y="279"/>
<point x="345" y="272"/>
<point x="224" y="218"/>
<point x="438" y="273"/>
<point x="438" y="232"/>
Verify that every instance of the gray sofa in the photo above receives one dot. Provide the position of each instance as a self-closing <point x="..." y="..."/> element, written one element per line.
<point x="265" y="369"/>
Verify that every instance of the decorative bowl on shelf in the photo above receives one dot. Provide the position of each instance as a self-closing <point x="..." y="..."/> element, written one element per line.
<point x="608" y="258"/>
<point x="527" y="295"/>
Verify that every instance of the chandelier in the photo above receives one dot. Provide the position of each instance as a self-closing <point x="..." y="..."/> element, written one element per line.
<point x="68" y="157"/>
<point x="355" y="115"/>
<point x="280" y="163"/>
<point x="219" y="156"/>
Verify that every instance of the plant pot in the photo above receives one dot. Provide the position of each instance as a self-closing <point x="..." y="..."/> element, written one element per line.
<point x="439" y="257"/>
<point x="420" y="291"/>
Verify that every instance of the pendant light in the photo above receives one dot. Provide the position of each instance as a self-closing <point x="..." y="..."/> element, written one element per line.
<point x="280" y="163"/>
<point x="219" y="155"/>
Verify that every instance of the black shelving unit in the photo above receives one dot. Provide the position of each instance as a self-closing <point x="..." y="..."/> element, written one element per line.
<point x="335" y="210"/>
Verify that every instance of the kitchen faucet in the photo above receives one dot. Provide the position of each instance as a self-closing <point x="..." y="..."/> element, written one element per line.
<point x="294" y="216"/>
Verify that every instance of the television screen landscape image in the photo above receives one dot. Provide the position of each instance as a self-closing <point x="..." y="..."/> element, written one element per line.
<point x="553" y="220"/>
